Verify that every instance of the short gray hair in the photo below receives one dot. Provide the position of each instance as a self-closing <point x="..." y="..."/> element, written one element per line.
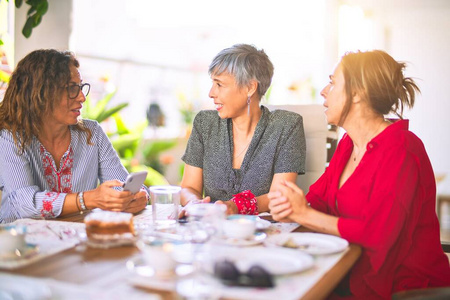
<point x="245" y="63"/>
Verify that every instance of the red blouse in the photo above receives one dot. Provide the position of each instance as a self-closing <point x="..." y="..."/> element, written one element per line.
<point x="388" y="206"/>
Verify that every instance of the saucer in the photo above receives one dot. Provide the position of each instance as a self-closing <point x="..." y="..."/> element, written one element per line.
<point x="257" y="238"/>
<point x="27" y="252"/>
<point x="138" y="266"/>
<point x="262" y="224"/>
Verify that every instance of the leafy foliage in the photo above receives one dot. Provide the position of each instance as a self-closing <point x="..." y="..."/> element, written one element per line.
<point x="125" y="140"/>
<point x="4" y="77"/>
<point x="152" y="151"/>
<point x="38" y="8"/>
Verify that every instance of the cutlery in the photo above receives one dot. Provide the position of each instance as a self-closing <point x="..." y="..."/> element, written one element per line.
<point x="59" y="235"/>
<point x="290" y="243"/>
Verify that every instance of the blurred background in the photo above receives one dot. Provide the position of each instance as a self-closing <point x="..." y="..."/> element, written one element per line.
<point x="154" y="55"/>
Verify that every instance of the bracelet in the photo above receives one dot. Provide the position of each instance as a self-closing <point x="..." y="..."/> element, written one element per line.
<point x="76" y="202"/>
<point x="246" y="203"/>
<point x="83" y="206"/>
<point x="78" y="206"/>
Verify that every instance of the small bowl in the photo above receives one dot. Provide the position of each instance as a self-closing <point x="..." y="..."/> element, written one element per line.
<point x="157" y="253"/>
<point x="12" y="238"/>
<point x="240" y="226"/>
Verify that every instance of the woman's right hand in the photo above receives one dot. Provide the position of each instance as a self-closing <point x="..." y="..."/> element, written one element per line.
<point x="287" y="203"/>
<point x="182" y="213"/>
<point x="232" y="208"/>
<point x="107" y="198"/>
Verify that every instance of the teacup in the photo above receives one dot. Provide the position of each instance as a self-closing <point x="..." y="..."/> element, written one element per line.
<point x="206" y="217"/>
<point x="157" y="253"/>
<point x="12" y="239"/>
<point x="240" y="226"/>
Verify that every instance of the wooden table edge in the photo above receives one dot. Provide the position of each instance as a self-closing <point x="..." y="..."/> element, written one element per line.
<point x="322" y="289"/>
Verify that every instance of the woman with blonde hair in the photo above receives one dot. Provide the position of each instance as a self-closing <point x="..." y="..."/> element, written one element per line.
<point x="379" y="190"/>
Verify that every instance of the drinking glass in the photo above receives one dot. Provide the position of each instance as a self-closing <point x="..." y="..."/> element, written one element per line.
<point x="205" y="220"/>
<point x="165" y="201"/>
<point x="206" y="217"/>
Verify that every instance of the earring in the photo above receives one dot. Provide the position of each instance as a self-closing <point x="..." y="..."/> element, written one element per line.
<point x="248" y="105"/>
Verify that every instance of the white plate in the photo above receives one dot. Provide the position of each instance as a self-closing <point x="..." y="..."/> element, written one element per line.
<point x="148" y="278"/>
<point x="277" y="261"/>
<point x="138" y="266"/>
<point x="312" y="243"/>
<point x="256" y="239"/>
<point x="22" y="288"/>
<point x="29" y="251"/>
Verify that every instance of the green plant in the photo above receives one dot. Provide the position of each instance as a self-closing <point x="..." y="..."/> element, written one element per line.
<point x="186" y="108"/>
<point x="153" y="150"/>
<point x="38" y="8"/>
<point x="125" y="141"/>
<point x="99" y="112"/>
<point x="4" y="77"/>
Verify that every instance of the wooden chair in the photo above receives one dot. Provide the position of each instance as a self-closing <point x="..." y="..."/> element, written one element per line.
<point x="332" y="141"/>
<point x="442" y="193"/>
<point x="445" y="246"/>
<point x="427" y="293"/>
<point x="321" y="141"/>
<point x="423" y="294"/>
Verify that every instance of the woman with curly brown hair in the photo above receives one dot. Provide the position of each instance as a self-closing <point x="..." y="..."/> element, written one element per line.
<point x="52" y="161"/>
<point x="379" y="190"/>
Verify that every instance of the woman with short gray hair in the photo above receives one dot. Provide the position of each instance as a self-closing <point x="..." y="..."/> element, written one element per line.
<point x="236" y="153"/>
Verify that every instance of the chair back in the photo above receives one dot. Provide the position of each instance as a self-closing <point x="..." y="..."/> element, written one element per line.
<point x="316" y="135"/>
<point x="423" y="294"/>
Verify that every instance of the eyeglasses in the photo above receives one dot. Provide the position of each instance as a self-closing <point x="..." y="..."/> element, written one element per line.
<point x="256" y="276"/>
<point x="73" y="90"/>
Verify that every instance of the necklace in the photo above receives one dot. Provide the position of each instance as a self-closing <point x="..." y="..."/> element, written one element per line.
<point x="356" y="155"/>
<point x="377" y="131"/>
<point x="243" y="150"/>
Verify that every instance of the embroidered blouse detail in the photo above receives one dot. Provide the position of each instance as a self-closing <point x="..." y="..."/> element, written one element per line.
<point x="47" y="205"/>
<point x="59" y="181"/>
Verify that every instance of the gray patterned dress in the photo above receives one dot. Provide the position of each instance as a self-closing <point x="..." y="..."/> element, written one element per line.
<point x="278" y="146"/>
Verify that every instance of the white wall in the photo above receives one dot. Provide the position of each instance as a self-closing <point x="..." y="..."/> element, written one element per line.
<point x="53" y="32"/>
<point x="426" y="44"/>
<point x="417" y="32"/>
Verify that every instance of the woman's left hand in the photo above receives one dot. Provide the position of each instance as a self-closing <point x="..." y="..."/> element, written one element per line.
<point x="231" y="207"/>
<point x="138" y="203"/>
<point x="287" y="203"/>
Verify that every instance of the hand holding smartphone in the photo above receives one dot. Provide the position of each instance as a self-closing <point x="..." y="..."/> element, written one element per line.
<point x="135" y="181"/>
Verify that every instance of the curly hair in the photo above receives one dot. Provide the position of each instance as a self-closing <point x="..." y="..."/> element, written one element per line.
<point x="33" y="90"/>
<point x="380" y="79"/>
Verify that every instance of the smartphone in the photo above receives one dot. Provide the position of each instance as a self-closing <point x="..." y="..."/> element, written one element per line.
<point x="135" y="181"/>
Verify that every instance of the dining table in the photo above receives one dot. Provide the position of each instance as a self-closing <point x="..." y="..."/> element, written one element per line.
<point x="74" y="270"/>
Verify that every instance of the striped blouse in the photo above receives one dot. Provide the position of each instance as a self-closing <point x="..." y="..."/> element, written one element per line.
<point x="32" y="187"/>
